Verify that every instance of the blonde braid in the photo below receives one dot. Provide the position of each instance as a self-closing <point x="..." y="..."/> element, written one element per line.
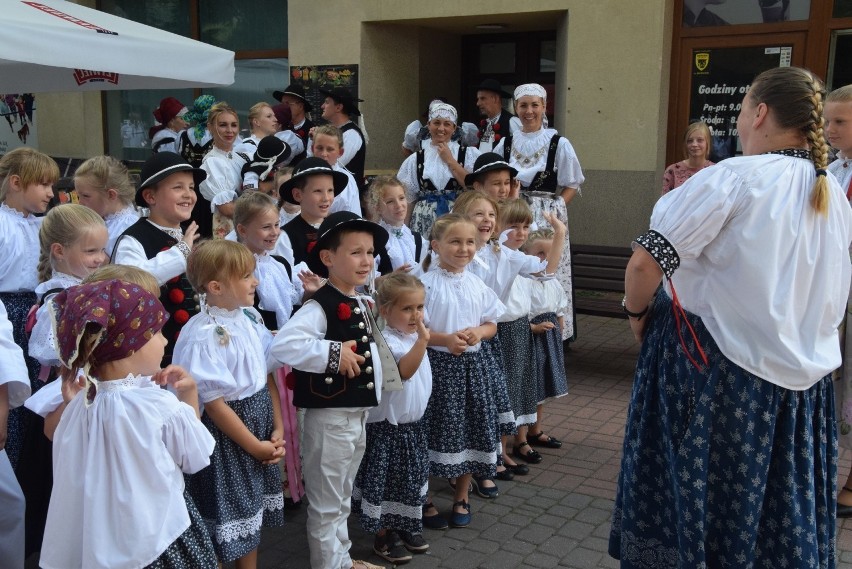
<point x="45" y="267"/>
<point x="819" y="149"/>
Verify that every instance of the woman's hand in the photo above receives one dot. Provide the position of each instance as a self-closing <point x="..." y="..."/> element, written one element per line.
<point x="445" y="153"/>
<point x="638" y="326"/>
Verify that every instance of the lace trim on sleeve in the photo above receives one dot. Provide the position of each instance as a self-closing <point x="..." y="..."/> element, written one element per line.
<point x="661" y="250"/>
<point x="334" y="357"/>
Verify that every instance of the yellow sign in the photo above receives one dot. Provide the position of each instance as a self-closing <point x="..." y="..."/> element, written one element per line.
<point x="702" y="60"/>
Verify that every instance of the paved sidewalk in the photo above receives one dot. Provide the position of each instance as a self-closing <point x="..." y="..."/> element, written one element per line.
<point x="558" y="516"/>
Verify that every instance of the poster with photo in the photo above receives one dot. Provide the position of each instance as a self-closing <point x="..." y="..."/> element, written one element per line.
<point x="17" y="126"/>
<point x="698" y="13"/>
<point x="720" y="79"/>
<point x="326" y="77"/>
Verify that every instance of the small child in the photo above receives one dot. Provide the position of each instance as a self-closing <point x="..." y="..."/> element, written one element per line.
<point x="128" y="442"/>
<point x="157" y="244"/>
<point x="225" y="348"/>
<point x="494" y="177"/>
<point x="259" y="172"/>
<point x="393" y="478"/>
<point x="14" y="389"/>
<point x="389" y="204"/>
<point x="328" y="145"/>
<point x="546" y="313"/>
<point x="164" y="134"/>
<point x="103" y="184"/>
<point x="329" y="343"/>
<point x="462" y="410"/>
<point x="72" y="238"/>
<point x="26" y="188"/>
<point x="313" y="187"/>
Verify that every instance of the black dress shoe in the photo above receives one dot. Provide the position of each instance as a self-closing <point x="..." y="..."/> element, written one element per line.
<point x="844" y="511"/>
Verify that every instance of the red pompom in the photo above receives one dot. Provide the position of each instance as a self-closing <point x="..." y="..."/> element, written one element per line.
<point x="483" y="122"/>
<point x="496" y="126"/>
<point x="311" y="246"/>
<point x="176" y="295"/>
<point x="497" y="137"/>
<point x="175" y="280"/>
<point x="290" y="381"/>
<point x="300" y="133"/>
<point x="181" y="316"/>
<point x="343" y="311"/>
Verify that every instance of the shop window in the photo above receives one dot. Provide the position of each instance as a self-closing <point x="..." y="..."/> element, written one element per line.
<point x="263" y="27"/>
<point x="842" y="9"/>
<point x="839" y="70"/>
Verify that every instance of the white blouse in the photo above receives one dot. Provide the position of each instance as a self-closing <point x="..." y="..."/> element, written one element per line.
<point x="165" y="265"/>
<point x="499" y="267"/>
<point x="166" y="146"/>
<point x="349" y="199"/>
<point x="534" y="145"/>
<point x="130" y="449"/>
<point x="224" y="176"/>
<point x="42" y="344"/>
<point x="117" y="222"/>
<point x="401" y="246"/>
<point x="842" y="170"/>
<point x="456" y="301"/>
<point x="548" y="296"/>
<point x="408" y="404"/>
<point x="519" y="300"/>
<point x="434" y="168"/>
<point x="768" y="276"/>
<point x="226" y="353"/>
<point x="21" y="249"/>
<point x="302" y="345"/>
<point x="276" y="290"/>
<point x="13" y="370"/>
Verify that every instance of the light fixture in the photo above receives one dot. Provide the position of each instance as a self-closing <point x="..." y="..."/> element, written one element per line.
<point x="491" y="26"/>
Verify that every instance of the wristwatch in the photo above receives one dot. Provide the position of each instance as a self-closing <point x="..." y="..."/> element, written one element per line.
<point x="636" y="315"/>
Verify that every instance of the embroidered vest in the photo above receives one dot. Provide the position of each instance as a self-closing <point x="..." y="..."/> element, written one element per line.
<point x="344" y="321"/>
<point x="426" y="185"/>
<point x="544" y="181"/>
<point x="504" y="120"/>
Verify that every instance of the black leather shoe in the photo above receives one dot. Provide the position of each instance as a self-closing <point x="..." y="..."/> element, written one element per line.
<point x="844" y="511"/>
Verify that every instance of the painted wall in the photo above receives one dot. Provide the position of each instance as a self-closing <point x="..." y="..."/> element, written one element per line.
<point x="613" y="81"/>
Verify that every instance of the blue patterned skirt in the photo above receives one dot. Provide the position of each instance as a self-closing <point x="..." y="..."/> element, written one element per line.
<point x="237" y="494"/>
<point x="192" y="549"/>
<point x="519" y="366"/>
<point x="722" y="468"/>
<point x="393" y="478"/>
<point x="493" y="350"/>
<point x="551" y="379"/>
<point x="461" y="416"/>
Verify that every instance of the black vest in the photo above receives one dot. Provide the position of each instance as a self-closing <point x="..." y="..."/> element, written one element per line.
<point x="505" y="126"/>
<point x="356" y="164"/>
<point x="177" y="295"/>
<point x="301" y="234"/>
<point x="270" y="319"/>
<point x="544" y="181"/>
<point x="344" y="321"/>
<point x="426" y="185"/>
<point x="302" y="133"/>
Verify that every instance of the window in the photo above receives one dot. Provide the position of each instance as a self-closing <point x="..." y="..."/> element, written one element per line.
<point x="257" y="36"/>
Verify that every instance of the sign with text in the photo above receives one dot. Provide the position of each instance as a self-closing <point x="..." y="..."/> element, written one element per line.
<point x="720" y="79"/>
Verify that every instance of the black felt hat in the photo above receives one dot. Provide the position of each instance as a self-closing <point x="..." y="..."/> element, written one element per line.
<point x="338" y="221"/>
<point x="343" y="97"/>
<point x="271" y="153"/>
<point x="488" y="162"/>
<point x="495" y="86"/>
<point x="294" y="90"/>
<point x="162" y="165"/>
<point x="311" y="166"/>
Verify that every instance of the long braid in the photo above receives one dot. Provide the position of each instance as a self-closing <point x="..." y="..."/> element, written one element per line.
<point x="819" y="149"/>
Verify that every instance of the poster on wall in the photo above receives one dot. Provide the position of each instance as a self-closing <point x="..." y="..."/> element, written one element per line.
<point x="326" y="77"/>
<point x="17" y="126"/>
<point x="720" y="79"/>
<point x="698" y="13"/>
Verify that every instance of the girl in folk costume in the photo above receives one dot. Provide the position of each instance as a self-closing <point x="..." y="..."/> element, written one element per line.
<point x="128" y="441"/>
<point x="393" y="478"/>
<point x="165" y="134"/>
<point x="389" y="204"/>
<point x="26" y="188"/>
<point x="463" y="312"/>
<point x="434" y="176"/>
<point x="225" y="347"/>
<point x="546" y="313"/>
<point x="103" y="184"/>
<point x="548" y="170"/>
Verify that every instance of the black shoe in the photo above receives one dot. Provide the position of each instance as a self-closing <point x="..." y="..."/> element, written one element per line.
<point x="413" y="542"/>
<point x="505" y="474"/>
<point x="518" y="469"/>
<point x="844" y="511"/>
<point x="435" y="521"/>
<point x="548" y="442"/>
<point x="483" y="490"/>
<point x="530" y="455"/>
<point x="390" y="548"/>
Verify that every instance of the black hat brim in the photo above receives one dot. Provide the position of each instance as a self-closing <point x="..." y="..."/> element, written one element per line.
<point x="472" y="177"/>
<point x="494" y="87"/>
<point x="349" y="103"/>
<point x="279" y="96"/>
<point x="340" y="181"/>
<point x="380" y="240"/>
<point x="198" y="176"/>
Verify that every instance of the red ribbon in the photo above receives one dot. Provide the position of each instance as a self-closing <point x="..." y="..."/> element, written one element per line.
<point x="678" y="313"/>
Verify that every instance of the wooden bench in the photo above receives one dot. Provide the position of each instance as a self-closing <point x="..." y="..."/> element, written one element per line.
<point x="598" y="278"/>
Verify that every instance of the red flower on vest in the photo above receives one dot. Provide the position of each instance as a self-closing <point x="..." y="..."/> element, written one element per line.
<point x="176" y="295"/>
<point x="343" y="311"/>
<point x="311" y="246"/>
<point x="496" y="126"/>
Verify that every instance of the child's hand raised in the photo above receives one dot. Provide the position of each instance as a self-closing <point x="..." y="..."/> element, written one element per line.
<point x="350" y="362"/>
<point x="457" y="343"/>
<point x="558" y="227"/>
<point x="190" y="234"/>
<point x="177" y="377"/>
<point x="72" y="387"/>
<point x="515" y="192"/>
<point x="422" y="330"/>
<point x="311" y="282"/>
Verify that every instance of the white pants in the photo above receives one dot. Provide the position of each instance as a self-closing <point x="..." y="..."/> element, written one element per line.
<point x="11" y="517"/>
<point x="332" y="448"/>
